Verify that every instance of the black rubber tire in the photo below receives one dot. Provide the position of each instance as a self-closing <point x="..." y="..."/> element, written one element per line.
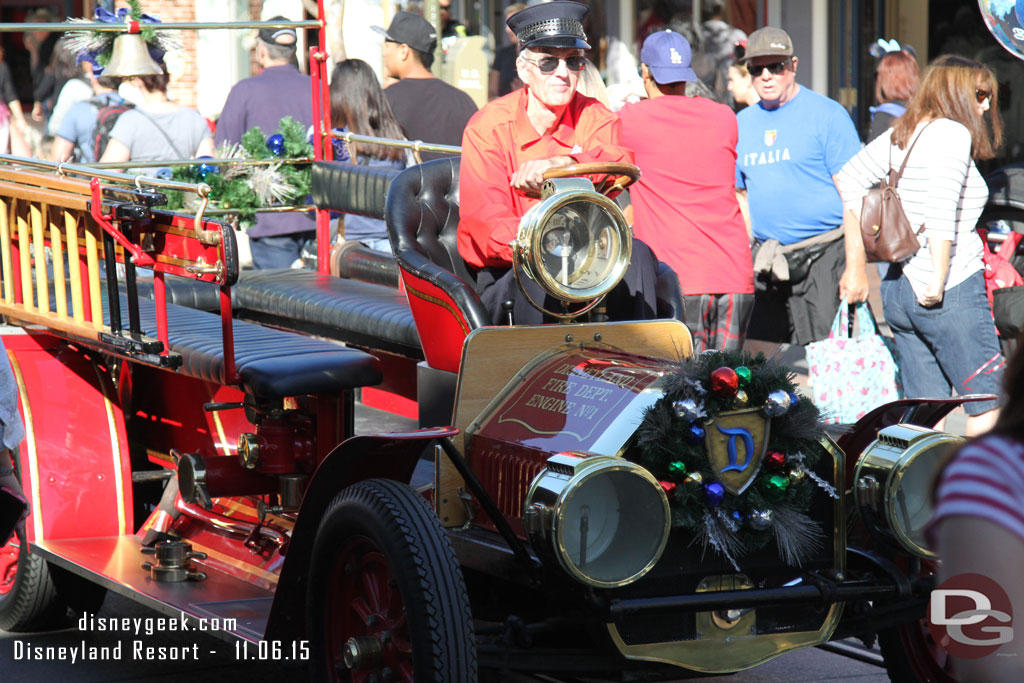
<point x="33" y="603"/>
<point x="391" y="519"/>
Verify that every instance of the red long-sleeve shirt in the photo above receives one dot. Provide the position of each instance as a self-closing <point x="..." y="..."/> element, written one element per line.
<point x="497" y="141"/>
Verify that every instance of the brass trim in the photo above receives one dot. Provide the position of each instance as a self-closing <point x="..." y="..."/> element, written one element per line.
<point x="219" y="426"/>
<point x="115" y="448"/>
<point x="728" y="653"/>
<point x="443" y="304"/>
<point x="30" y="446"/>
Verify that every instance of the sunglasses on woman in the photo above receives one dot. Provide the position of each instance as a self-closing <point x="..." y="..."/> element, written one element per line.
<point x="549" y="64"/>
<point x="982" y="95"/>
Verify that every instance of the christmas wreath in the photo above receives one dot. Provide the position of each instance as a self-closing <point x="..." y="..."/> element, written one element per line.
<point x="243" y="188"/>
<point x="735" y="447"/>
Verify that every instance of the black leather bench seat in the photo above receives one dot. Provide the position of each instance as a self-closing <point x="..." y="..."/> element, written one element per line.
<point x="271" y="363"/>
<point x="350" y="311"/>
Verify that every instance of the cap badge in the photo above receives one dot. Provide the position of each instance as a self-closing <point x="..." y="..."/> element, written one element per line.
<point x="675" y="56"/>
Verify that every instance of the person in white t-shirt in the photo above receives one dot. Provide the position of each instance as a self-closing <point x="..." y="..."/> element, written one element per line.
<point x="935" y="301"/>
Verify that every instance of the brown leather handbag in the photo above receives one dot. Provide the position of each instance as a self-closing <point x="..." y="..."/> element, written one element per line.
<point x="888" y="235"/>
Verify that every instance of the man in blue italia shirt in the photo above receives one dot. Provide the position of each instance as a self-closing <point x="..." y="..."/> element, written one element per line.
<point x="791" y="146"/>
<point x="263" y="100"/>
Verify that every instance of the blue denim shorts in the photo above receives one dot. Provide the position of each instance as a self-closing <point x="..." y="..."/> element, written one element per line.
<point x="951" y="346"/>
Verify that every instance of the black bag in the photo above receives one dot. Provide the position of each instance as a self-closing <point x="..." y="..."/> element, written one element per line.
<point x="1008" y="311"/>
<point x="106" y="116"/>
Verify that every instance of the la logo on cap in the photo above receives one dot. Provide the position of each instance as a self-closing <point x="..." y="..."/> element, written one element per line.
<point x="675" y="56"/>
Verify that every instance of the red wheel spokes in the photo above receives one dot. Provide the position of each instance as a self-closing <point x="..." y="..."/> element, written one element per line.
<point x="363" y="600"/>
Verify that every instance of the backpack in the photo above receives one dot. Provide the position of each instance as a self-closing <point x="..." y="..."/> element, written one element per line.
<point x="106" y="116"/>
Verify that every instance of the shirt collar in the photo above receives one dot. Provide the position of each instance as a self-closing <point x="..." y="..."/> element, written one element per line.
<point x="563" y="133"/>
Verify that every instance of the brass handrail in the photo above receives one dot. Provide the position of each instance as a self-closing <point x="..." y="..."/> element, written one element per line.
<point x="414" y="145"/>
<point x="201" y="189"/>
<point x="168" y="163"/>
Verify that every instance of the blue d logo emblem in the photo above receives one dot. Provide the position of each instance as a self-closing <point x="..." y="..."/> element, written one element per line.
<point x="736" y="442"/>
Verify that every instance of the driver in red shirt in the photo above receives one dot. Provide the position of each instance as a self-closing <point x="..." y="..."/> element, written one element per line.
<point x="509" y="144"/>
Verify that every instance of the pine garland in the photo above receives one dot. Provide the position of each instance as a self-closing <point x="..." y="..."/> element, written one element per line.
<point x="246" y="188"/>
<point x="769" y="508"/>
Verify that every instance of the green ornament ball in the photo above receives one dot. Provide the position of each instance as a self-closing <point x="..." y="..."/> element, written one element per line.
<point x="775" y="487"/>
<point x="744" y="374"/>
<point x="677" y="467"/>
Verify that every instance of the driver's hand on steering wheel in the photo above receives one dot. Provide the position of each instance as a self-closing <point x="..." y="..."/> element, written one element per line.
<point x="530" y="176"/>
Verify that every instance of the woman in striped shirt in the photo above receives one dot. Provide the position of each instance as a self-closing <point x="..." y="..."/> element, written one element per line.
<point x="935" y="302"/>
<point x="978" y="524"/>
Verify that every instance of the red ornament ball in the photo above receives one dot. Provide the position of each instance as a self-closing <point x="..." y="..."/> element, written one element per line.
<point x="775" y="460"/>
<point x="724" y="382"/>
<point x="669" y="486"/>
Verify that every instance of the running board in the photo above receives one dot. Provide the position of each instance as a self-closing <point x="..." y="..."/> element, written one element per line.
<point x="116" y="564"/>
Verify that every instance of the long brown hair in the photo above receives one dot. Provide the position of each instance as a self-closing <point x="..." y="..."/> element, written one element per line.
<point x="359" y="104"/>
<point x="948" y="92"/>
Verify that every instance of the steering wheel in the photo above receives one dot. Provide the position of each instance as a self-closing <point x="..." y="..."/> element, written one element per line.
<point x="617" y="176"/>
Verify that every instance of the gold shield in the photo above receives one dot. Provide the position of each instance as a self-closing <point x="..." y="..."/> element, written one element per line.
<point x="735" y="442"/>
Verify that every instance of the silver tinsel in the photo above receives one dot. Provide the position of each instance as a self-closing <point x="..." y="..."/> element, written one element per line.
<point x="88" y="42"/>
<point x="268" y="185"/>
<point x="719" y="532"/>
<point x="797" y="536"/>
<point x="228" y="150"/>
<point x="822" y="484"/>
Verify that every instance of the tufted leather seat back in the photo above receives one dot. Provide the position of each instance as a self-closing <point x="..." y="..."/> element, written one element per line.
<point x="351" y="188"/>
<point x="422" y="214"/>
<point x="425" y="216"/>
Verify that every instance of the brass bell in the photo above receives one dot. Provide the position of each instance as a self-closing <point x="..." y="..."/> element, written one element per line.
<point x="131" y="58"/>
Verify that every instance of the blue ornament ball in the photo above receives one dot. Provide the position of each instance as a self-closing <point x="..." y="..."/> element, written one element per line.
<point x="164" y="174"/>
<point x="777" y="404"/>
<point x="275" y="144"/>
<point x="695" y="435"/>
<point x="794" y="399"/>
<point x="737" y="516"/>
<point x="714" y="494"/>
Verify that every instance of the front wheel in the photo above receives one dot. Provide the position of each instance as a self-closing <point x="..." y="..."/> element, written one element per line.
<point x="386" y="597"/>
<point x="912" y="656"/>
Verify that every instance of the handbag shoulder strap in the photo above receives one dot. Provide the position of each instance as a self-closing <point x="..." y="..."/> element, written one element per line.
<point x="895" y="181"/>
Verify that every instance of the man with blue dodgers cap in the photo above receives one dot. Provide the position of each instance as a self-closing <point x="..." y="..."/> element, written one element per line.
<point x="687" y="211"/>
<point x="513" y="140"/>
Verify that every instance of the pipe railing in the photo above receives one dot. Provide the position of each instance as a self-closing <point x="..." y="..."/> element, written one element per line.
<point x="127" y="27"/>
<point x="415" y="145"/>
<point x="138" y="181"/>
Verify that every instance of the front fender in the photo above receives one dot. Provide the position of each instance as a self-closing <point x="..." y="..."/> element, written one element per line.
<point x="388" y="456"/>
<point x="923" y="412"/>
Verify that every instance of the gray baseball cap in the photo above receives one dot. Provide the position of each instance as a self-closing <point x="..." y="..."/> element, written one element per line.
<point x="768" y="42"/>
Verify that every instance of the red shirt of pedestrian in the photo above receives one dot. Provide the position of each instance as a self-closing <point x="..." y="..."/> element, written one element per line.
<point x="684" y="205"/>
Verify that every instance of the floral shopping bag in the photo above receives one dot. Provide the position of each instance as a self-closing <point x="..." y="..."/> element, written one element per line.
<point x="851" y="375"/>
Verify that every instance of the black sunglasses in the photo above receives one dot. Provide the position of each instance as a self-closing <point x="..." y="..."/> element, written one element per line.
<point x="775" y="68"/>
<point x="982" y="95"/>
<point x="549" y="64"/>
